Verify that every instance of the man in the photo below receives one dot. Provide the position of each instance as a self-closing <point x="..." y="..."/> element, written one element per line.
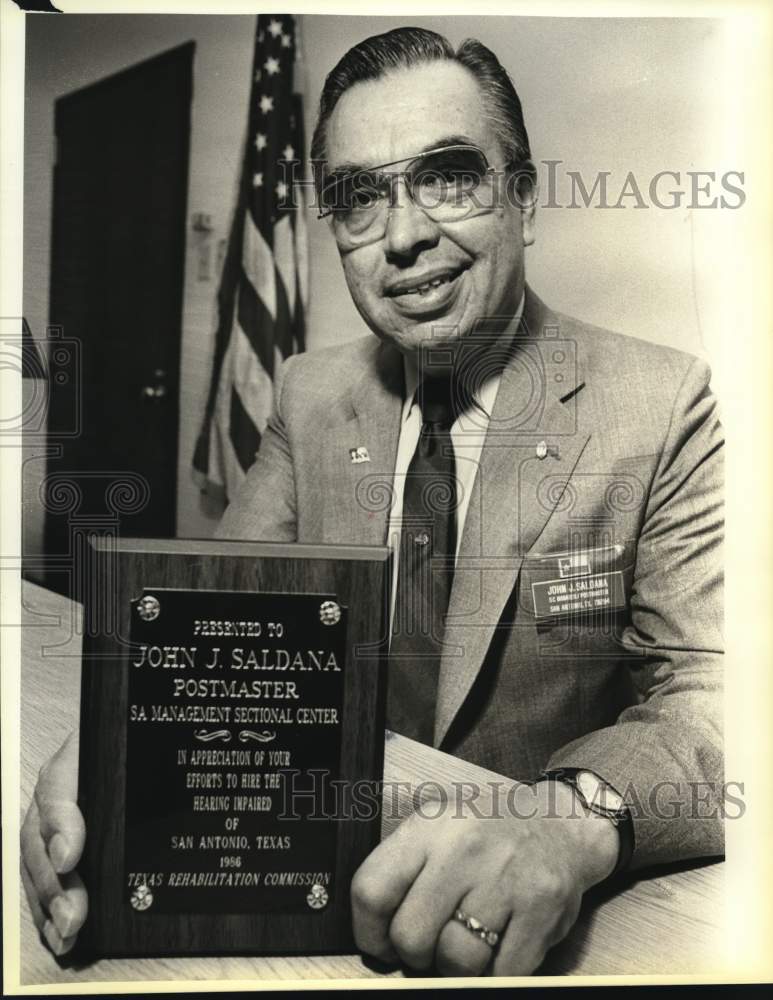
<point x="567" y="580"/>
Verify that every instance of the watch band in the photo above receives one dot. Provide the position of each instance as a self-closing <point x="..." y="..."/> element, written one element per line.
<point x="620" y="817"/>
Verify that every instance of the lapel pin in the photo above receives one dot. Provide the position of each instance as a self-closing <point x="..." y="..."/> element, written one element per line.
<point x="358" y="455"/>
<point x="542" y="451"/>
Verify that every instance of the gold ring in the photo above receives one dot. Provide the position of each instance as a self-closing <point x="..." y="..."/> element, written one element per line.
<point x="491" y="938"/>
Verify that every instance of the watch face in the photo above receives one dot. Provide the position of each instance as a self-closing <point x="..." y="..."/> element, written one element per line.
<point x="598" y="793"/>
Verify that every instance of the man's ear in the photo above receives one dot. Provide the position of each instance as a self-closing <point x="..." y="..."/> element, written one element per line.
<point x="524" y="188"/>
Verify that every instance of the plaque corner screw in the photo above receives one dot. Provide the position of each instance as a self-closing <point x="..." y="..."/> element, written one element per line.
<point x="317" y="897"/>
<point x="142" y="897"/>
<point x="149" y="608"/>
<point x="329" y="613"/>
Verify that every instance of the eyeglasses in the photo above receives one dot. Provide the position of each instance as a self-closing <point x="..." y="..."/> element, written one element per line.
<point x="448" y="184"/>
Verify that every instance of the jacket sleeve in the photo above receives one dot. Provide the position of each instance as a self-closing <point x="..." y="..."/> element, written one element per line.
<point x="264" y="508"/>
<point x="664" y="754"/>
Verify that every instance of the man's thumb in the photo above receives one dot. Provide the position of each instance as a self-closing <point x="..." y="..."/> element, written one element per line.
<point x="61" y="822"/>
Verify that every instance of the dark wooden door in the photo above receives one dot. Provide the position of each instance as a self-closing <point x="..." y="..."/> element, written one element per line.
<point x="117" y="268"/>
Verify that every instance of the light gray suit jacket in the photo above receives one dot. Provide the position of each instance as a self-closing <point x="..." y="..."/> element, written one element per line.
<point x="629" y="480"/>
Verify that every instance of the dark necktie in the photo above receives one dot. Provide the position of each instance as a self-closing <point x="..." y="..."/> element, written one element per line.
<point x="425" y="572"/>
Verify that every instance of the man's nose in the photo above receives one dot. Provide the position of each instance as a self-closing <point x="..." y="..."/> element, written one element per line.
<point x="409" y="229"/>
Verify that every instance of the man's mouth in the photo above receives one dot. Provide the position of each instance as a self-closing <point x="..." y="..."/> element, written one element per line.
<point x="424" y="284"/>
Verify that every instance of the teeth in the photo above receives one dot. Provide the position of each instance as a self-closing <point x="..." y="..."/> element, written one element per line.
<point x="423" y="289"/>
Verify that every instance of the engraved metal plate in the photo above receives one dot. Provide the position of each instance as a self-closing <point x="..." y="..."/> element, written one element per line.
<point x="233" y="744"/>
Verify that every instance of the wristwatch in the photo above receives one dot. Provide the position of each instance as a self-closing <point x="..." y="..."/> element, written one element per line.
<point x="602" y="799"/>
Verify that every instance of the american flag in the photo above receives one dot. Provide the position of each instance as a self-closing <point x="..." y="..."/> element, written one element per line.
<point x="264" y="285"/>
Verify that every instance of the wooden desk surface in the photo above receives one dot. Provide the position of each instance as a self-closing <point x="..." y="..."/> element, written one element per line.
<point x="668" y="924"/>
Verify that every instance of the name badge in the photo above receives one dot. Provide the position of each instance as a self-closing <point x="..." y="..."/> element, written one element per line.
<point x="570" y="596"/>
<point x="578" y="583"/>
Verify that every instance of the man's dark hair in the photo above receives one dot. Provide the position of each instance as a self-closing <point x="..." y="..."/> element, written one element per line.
<point x="405" y="47"/>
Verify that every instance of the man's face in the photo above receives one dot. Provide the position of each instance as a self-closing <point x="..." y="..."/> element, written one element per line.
<point x="480" y="259"/>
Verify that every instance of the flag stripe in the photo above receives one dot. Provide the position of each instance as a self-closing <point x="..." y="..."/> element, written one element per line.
<point x="284" y="328"/>
<point x="299" y="320"/>
<point x="284" y="254"/>
<point x="257" y="324"/>
<point x="244" y="435"/>
<point x="299" y="218"/>
<point x="258" y="265"/>
<point x="252" y="380"/>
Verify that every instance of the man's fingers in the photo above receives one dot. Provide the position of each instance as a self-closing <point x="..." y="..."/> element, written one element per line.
<point x="61" y="897"/>
<point x="66" y="910"/>
<point x="59" y="945"/>
<point x="461" y="952"/>
<point x="59" y="775"/>
<point x="378" y="888"/>
<point x="38" y="916"/>
<point x="61" y="822"/>
<point x="521" y="949"/>
<point x="64" y="833"/>
<point x="70" y="909"/>
<point x="426" y="908"/>
<point x="44" y="878"/>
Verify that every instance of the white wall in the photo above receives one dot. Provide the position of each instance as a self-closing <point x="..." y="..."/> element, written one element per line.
<point x="641" y="95"/>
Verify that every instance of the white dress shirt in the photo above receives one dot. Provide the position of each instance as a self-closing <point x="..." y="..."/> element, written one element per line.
<point x="468" y="432"/>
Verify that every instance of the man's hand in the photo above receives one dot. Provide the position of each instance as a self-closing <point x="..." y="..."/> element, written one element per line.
<point x="51" y="845"/>
<point x="520" y="869"/>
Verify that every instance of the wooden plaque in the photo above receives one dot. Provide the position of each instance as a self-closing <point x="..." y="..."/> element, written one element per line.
<point x="231" y="744"/>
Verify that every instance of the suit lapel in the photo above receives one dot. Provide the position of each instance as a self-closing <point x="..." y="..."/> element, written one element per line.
<point x="514" y="495"/>
<point x="358" y="497"/>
